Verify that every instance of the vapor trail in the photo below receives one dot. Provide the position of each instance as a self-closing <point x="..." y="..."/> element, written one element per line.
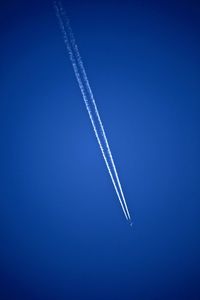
<point x="87" y="85"/>
<point x="84" y="86"/>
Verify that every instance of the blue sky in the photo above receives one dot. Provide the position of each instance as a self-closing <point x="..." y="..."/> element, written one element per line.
<point x="63" y="234"/>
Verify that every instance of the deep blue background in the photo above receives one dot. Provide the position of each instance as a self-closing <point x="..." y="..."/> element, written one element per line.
<point x="62" y="231"/>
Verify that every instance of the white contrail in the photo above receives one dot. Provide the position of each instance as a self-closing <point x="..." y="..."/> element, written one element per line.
<point x="85" y="87"/>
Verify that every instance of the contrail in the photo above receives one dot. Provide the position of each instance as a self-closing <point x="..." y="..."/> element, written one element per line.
<point x="77" y="74"/>
<point x="75" y="47"/>
<point x="87" y="94"/>
<point x="87" y="85"/>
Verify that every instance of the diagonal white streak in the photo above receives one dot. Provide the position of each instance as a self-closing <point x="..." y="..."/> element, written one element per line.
<point x="87" y="85"/>
<point x="84" y="86"/>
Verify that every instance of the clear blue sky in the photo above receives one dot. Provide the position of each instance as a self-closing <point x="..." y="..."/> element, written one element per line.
<point x="62" y="231"/>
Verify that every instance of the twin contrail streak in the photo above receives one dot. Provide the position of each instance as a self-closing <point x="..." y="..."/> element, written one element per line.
<point x="90" y="103"/>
